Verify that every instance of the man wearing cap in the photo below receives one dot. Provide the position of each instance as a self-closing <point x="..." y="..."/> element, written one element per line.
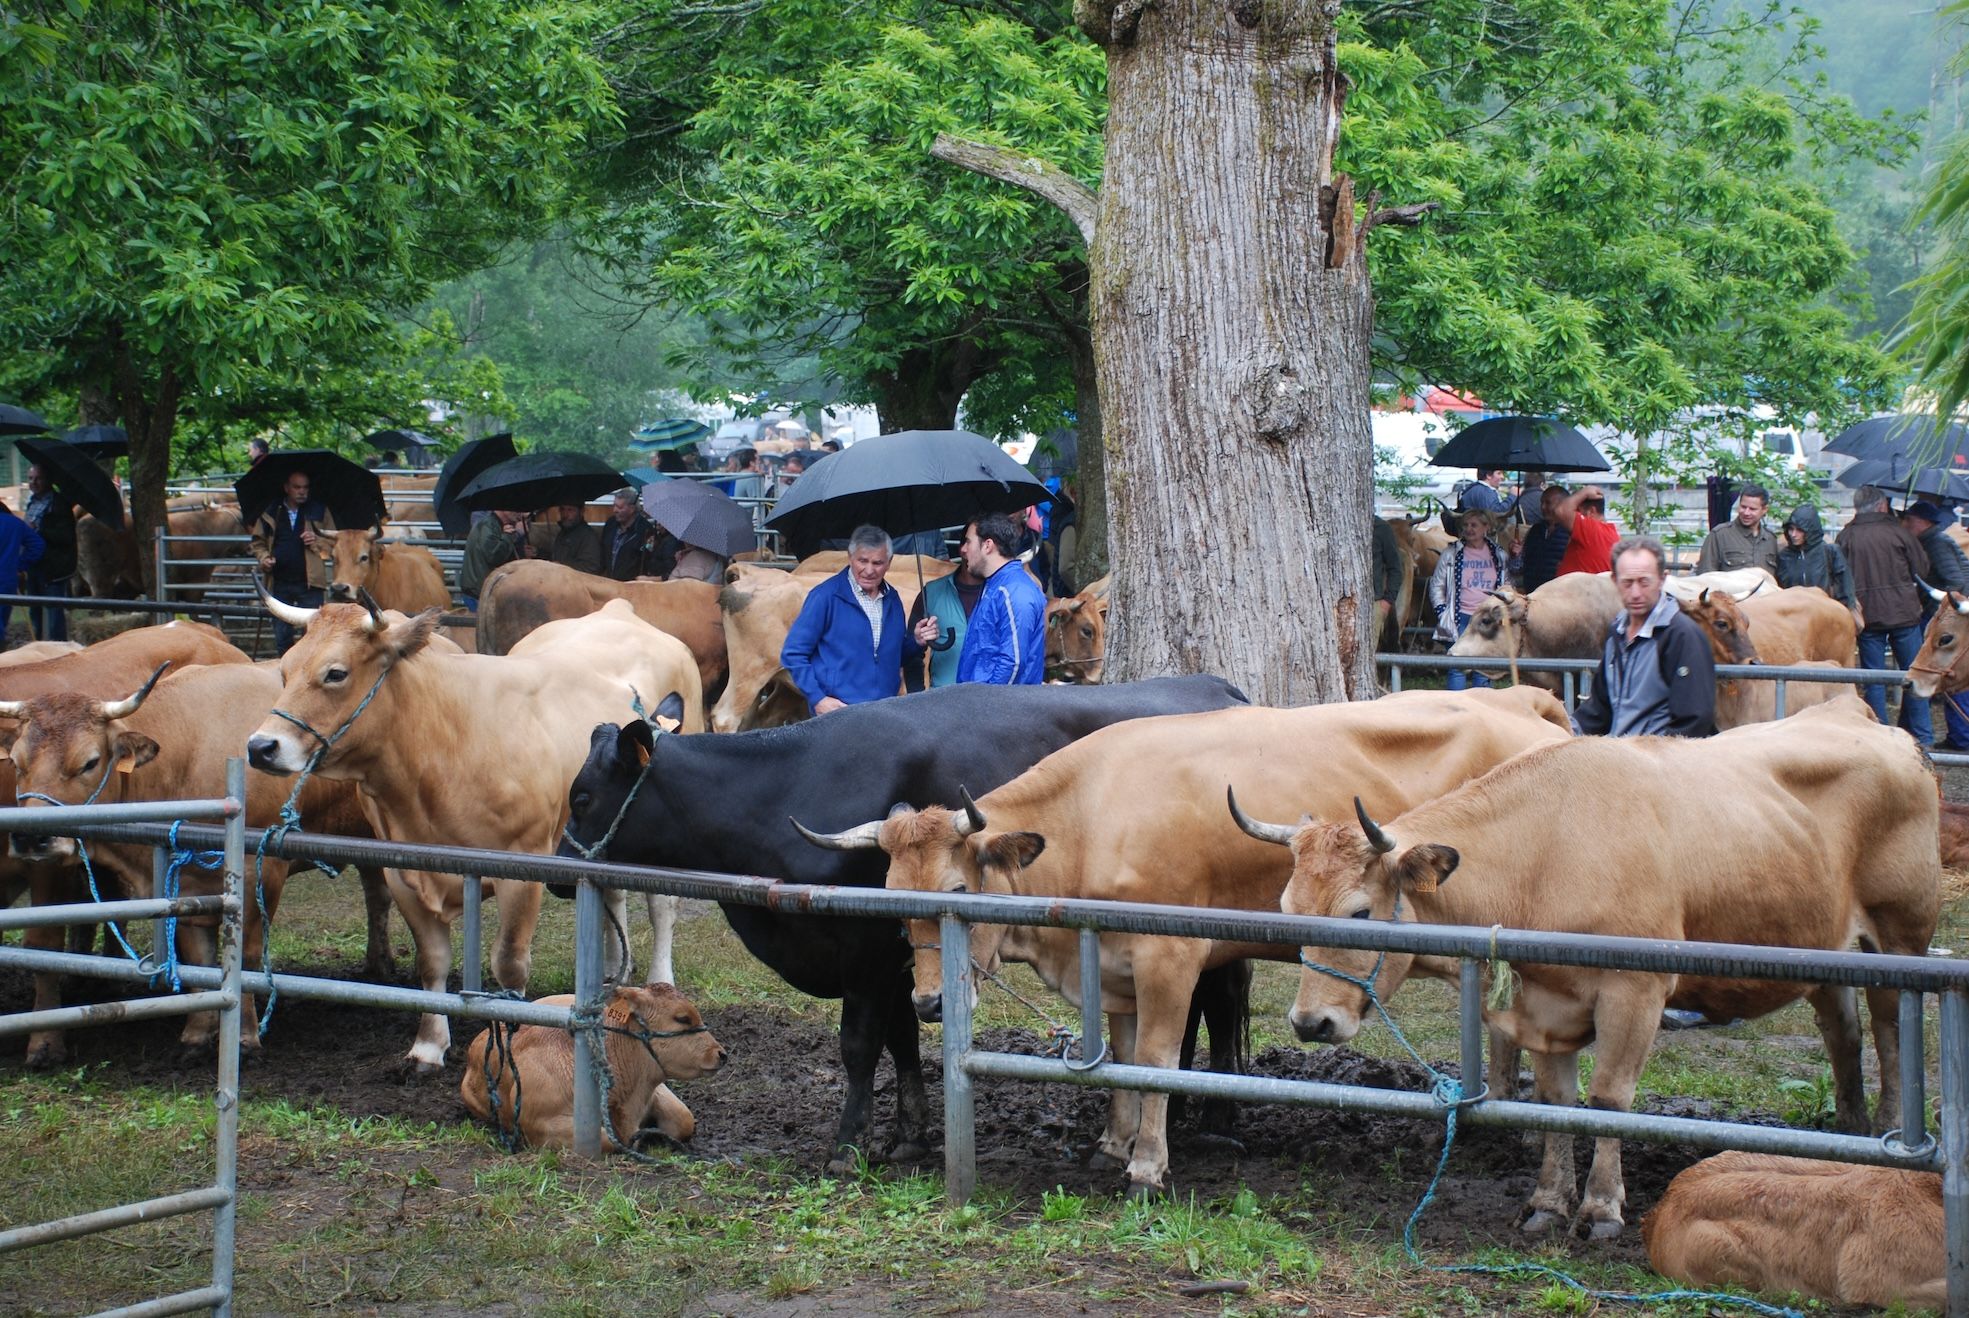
<point x="1744" y="541"/>
<point x="1947" y="570"/>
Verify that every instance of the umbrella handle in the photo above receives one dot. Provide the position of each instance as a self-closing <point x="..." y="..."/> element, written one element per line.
<point x="946" y="637"/>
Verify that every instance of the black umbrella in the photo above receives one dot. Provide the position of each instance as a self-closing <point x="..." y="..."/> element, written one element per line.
<point x="542" y="480"/>
<point x="700" y="515"/>
<point x="100" y="441"/>
<point x="460" y="470"/>
<point x="1944" y="483"/>
<point x="1904" y="435"/>
<point x="353" y="494"/>
<point x="916" y="480"/>
<point x="1521" y="443"/>
<point x="385" y="441"/>
<point x="76" y="477"/>
<point x="20" y="421"/>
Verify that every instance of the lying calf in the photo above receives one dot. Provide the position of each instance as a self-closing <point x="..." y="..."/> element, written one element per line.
<point x="1843" y="1234"/>
<point x="654" y="1034"/>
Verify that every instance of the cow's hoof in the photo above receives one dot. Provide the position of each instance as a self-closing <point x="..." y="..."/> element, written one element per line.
<point x="1098" y="1161"/>
<point x="649" y="1137"/>
<point x="1601" y="1228"/>
<point x="840" y="1166"/>
<point x="45" y="1057"/>
<point x="383" y="971"/>
<point x="908" y="1150"/>
<point x="197" y="1054"/>
<point x="1540" y="1222"/>
<point x="1143" y="1191"/>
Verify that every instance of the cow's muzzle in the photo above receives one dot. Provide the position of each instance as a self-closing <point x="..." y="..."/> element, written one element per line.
<point x="1318" y="1027"/>
<point x="31" y="846"/>
<point x="929" y="1007"/>
<point x="263" y="753"/>
<point x="341" y="592"/>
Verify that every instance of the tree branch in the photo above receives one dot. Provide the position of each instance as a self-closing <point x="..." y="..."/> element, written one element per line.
<point x="1026" y="171"/>
<point x="1410" y="215"/>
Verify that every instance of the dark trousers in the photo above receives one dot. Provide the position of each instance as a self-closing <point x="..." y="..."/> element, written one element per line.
<point x="301" y="596"/>
<point x="49" y="624"/>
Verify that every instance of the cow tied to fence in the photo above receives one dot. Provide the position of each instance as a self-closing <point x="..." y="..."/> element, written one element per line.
<point x="468" y="750"/>
<point x="1814" y="832"/>
<point x="722" y="803"/>
<point x="1130" y="814"/>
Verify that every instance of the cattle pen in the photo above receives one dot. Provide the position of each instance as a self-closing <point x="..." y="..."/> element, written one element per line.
<point x="1945" y="1151"/>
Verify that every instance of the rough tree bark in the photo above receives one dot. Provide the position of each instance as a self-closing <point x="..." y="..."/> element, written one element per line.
<point x="1090" y="559"/>
<point x="149" y="409"/>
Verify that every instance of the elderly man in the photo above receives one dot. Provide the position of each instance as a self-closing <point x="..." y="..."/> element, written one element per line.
<point x="1656" y="676"/>
<point x="632" y="545"/>
<point x="848" y="645"/>
<point x="292" y="547"/>
<point x="576" y="544"/>
<point x="1885" y="561"/>
<point x="1005" y="641"/>
<point x="1743" y="541"/>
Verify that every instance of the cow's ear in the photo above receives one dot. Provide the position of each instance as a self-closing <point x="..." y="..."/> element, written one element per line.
<point x="412" y="634"/>
<point x="133" y="749"/>
<point x="1013" y="851"/>
<point x="1518" y="610"/>
<point x="8" y="736"/>
<point x="671" y="710"/>
<point x="634" y="744"/>
<point x="1426" y="867"/>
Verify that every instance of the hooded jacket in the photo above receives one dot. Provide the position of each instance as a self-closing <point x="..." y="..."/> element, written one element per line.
<point x="1818" y="563"/>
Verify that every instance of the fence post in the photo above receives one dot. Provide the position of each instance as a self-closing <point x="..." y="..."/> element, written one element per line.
<point x="1781" y="697"/>
<point x="960" y="1155"/>
<point x="587" y="997"/>
<point x="1571" y="681"/>
<point x="231" y="930"/>
<point x="1470" y="1026"/>
<point x="1955" y="1146"/>
<point x="1091" y="1047"/>
<point x="471" y="972"/>
<point x="1914" y="1067"/>
<point x="157" y="562"/>
<point x="1394" y="677"/>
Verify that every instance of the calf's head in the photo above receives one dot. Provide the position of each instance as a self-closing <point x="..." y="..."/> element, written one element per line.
<point x="1076" y="640"/>
<point x="1940" y="668"/>
<point x="1347" y="872"/>
<point x="939" y="850"/>
<point x="353" y="558"/>
<point x="1496" y="628"/>
<point x="661" y="1023"/>
<point x="70" y="749"/>
<point x="1723" y="622"/>
<point x="342" y="657"/>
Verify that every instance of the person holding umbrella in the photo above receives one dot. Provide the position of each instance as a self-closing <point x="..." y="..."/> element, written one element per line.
<point x="291" y="542"/>
<point x="634" y="546"/>
<point x="848" y="645"/>
<point x="494" y="542"/>
<point x="577" y="545"/>
<point x="53" y="519"/>
<point x="1005" y="642"/>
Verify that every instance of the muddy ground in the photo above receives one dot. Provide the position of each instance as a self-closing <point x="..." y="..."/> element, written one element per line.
<point x="781" y="1096"/>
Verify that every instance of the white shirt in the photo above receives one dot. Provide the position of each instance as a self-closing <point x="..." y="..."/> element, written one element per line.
<point x="872" y="606"/>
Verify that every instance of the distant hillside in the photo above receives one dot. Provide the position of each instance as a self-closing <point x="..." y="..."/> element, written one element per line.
<point x="1884" y="53"/>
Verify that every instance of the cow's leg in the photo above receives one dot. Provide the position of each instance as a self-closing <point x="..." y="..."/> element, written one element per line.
<point x="912" y="1102"/>
<point x="663" y="928"/>
<point x="1501" y="1073"/>
<point x="1117" y="1143"/>
<point x="421" y="899"/>
<point x="198" y="945"/>
<point x="864" y="1022"/>
<point x="1838" y="1015"/>
<point x="1624" y="1027"/>
<point x="48" y="886"/>
<point x="519" y="912"/>
<point x="1162" y="993"/>
<point x="1884" y="1005"/>
<point x="379" y="959"/>
<point x="1555" y="1076"/>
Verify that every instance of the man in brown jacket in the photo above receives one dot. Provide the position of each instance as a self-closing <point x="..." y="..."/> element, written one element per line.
<point x="1885" y="558"/>
<point x="292" y="547"/>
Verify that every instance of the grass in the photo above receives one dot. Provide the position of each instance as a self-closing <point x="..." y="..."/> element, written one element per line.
<point x="354" y="1212"/>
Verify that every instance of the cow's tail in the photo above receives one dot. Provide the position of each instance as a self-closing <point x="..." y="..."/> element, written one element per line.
<point x="1221" y="1004"/>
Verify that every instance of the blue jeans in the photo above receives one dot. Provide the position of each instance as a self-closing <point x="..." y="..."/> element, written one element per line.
<point x="1906" y="643"/>
<point x="1459" y="678"/>
<point x="48" y="624"/>
<point x="284" y="636"/>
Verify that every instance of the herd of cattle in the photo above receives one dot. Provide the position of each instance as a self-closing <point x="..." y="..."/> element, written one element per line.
<point x="635" y="722"/>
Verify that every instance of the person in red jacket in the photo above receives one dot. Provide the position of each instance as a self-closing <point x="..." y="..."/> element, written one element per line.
<point x="1592" y="537"/>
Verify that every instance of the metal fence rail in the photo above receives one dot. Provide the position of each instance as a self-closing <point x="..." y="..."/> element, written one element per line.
<point x="221" y="1198"/>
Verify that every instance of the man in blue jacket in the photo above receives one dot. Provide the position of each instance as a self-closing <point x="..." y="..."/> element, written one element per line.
<point x="848" y="645"/>
<point x="1005" y="642"/>
<point x="20" y="546"/>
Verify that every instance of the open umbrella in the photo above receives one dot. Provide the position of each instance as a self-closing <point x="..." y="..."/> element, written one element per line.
<point x="542" y="480"/>
<point x="99" y="441"/>
<point x="1904" y="435"/>
<point x="353" y="494"/>
<point x="915" y="480"/>
<point x="20" y="421"/>
<point x="74" y="476"/>
<point x="1944" y="483"/>
<point x="1521" y="443"/>
<point x="460" y="470"/>
<point x="700" y="515"/>
<point x="388" y="441"/>
<point x="678" y="432"/>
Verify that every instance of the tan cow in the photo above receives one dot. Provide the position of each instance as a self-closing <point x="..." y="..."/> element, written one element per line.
<point x="1420" y="541"/>
<point x="1740" y="584"/>
<point x="1847" y="1235"/>
<point x="758" y="606"/>
<point x="106" y="561"/>
<point x="518" y="597"/>
<point x="1076" y="639"/>
<point x="397" y="576"/>
<point x="33" y="652"/>
<point x="1939" y="670"/>
<point x="1133" y="813"/>
<point x="213" y="519"/>
<point x="1799" y="627"/>
<point x="164" y="745"/>
<point x="1566" y="618"/>
<point x="654" y="1035"/>
<point x="469" y="750"/>
<point x="1810" y="832"/>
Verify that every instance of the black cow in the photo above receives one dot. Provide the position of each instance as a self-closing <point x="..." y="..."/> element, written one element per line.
<point x="722" y="802"/>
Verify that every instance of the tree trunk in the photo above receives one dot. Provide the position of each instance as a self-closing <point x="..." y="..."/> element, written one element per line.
<point x="150" y="414"/>
<point x="923" y="391"/>
<point x="1231" y="316"/>
<point x="1091" y="558"/>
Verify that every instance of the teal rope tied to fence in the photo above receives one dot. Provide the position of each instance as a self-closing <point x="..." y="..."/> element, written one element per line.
<point x="168" y="933"/>
<point x="1448" y="1092"/>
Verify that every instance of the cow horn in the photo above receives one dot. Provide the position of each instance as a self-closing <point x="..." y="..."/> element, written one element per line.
<point x="1380" y="841"/>
<point x="291" y="614"/>
<point x="974" y="820"/>
<point x="1498" y="595"/>
<point x="115" y="709"/>
<point x="1703" y="596"/>
<point x="1279" y="833"/>
<point x="13" y="709"/>
<point x="1939" y="596"/>
<point x="862" y="837"/>
<point x="368" y="601"/>
<point x="1961" y="603"/>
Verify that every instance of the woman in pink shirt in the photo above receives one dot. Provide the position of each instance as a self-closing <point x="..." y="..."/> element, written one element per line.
<point x="1467" y="573"/>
